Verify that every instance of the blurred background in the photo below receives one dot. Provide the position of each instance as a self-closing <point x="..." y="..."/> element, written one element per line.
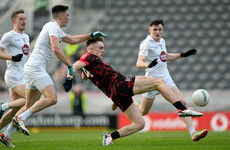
<point x="200" y="24"/>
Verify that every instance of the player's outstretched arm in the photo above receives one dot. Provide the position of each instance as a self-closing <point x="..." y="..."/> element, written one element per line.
<point x="175" y="56"/>
<point x="76" y="39"/>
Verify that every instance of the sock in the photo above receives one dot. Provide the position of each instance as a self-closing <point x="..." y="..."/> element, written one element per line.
<point x="179" y="105"/>
<point x="9" y="130"/>
<point x="115" y="135"/>
<point x="5" y="106"/>
<point x="191" y="130"/>
<point x="25" y="115"/>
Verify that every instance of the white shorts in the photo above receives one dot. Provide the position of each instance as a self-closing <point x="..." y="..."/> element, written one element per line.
<point x="153" y="94"/>
<point x="36" y="77"/>
<point x="12" y="82"/>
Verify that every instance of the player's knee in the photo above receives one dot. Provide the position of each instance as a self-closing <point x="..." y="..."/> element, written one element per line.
<point x="53" y="101"/>
<point x="160" y="83"/>
<point x="140" y="125"/>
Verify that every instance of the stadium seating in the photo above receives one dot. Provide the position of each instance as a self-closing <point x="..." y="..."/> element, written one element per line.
<point x="4" y="6"/>
<point x="203" y="25"/>
<point x="200" y="24"/>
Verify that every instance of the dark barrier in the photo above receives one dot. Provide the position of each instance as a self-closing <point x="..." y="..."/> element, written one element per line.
<point x="61" y="120"/>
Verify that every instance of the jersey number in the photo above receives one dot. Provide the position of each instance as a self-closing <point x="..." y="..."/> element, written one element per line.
<point x="87" y="73"/>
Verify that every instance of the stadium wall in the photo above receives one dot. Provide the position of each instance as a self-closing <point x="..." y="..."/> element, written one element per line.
<point x="154" y="121"/>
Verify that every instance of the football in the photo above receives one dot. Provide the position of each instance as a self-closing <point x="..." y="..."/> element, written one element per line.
<point x="200" y="97"/>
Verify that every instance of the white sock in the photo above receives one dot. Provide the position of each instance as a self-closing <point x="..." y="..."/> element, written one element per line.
<point x="9" y="130"/>
<point x="25" y="115"/>
<point x="5" y="106"/>
<point x="191" y="130"/>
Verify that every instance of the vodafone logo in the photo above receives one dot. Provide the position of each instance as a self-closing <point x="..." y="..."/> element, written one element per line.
<point x="167" y="121"/>
<point x="25" y="49"/>
<point x="163" y="56"/>
<point x="219" y="122"/>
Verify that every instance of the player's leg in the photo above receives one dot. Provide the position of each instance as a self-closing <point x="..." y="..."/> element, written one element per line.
<point x="33" y="103"/>
<point x="45" y="85"/>
<point x="50" y="99"/>
<point x="144" y="84"/>
<point x="17" y="96"/>
<point x="16" y="85"/>
<point x="145" y="106"/>
<point x="195" y="135"/>
<point x="32" y="96"/>
<point x="179" y="95"/>
<point x="137" y="124"/>
<point x="187" y="120"/>
<point x="136" y="119"/>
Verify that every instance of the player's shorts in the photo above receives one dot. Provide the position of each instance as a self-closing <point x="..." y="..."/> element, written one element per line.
<point x="122" y="92"/>
<point x="14" y="81"/>
<point x="153" y="94"/>
<point x="36" y="77"/>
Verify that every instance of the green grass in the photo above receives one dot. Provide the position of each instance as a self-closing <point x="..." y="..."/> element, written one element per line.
<point x="138" y="141"/>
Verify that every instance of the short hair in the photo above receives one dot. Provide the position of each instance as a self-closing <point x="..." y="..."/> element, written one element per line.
<point x="157" y="22"/>
<point x="58" y="9"/>
<point x="15" y="13"/>
<point x="94" y="40"/>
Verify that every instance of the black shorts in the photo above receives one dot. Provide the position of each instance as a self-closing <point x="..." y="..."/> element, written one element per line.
<point x="122" y="92"/>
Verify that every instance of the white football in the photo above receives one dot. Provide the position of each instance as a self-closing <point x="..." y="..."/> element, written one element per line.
<point x="200" y="97"/>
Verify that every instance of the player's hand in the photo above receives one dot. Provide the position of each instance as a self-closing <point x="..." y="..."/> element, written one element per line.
<point x="71" y="70"/>
<point x="153" y="63"/>
<point x="188" y="53"/>
<point x="97" y="34"/>
<point x="68" y="84"/>
<point x="17" y="58"/>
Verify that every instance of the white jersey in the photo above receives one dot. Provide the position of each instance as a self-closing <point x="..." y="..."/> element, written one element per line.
<point x="43" y="53"/>
<point x="152" y="50"/>
<point x="15" y="43"/>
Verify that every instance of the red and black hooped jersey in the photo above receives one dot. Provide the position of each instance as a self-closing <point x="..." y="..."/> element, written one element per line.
<point x="100" y="73"/>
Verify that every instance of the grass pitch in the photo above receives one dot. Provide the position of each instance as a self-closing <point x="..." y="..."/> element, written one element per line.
<point x="139" y="141"/>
